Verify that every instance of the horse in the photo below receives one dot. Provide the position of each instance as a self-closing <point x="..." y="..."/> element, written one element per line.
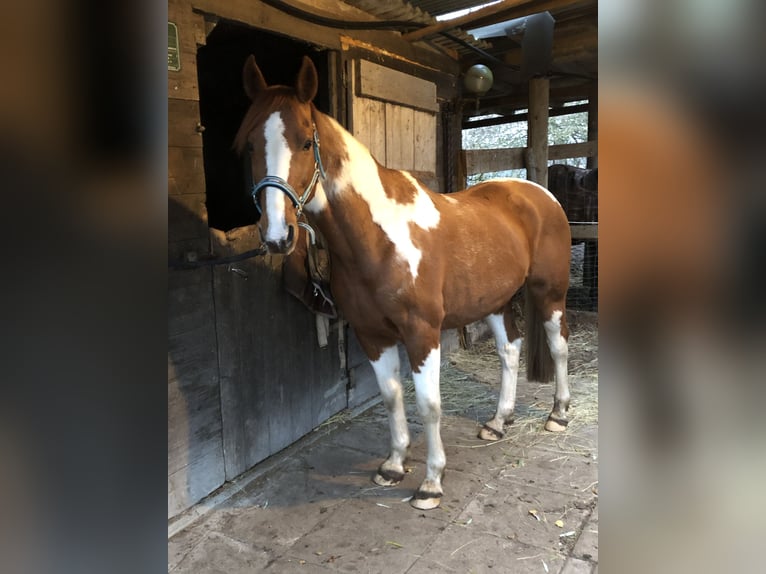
<point x="408" y="262"/>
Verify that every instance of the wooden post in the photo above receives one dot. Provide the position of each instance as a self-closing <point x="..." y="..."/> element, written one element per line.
<point x="537" y="137"/>
<point x="593" y="124"/>
<point x="590" y="264"/>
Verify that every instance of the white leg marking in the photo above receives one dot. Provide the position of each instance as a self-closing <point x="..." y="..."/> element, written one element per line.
<point x="394" y="218"/>
<point x="509" y="353"/>
<point x="429" y="406"/>
<point x="278" y="157"/>
<point x="559" y="352"/>
<point x="389" y="380"/>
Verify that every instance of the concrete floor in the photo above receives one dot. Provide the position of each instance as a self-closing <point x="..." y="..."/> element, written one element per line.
<point x="314" y="508"/>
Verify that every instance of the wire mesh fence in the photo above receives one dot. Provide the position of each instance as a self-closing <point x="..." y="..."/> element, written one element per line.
<point x="583" y="276"/>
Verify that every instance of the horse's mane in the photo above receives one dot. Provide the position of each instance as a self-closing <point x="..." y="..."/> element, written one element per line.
<point x="261" y="108"/>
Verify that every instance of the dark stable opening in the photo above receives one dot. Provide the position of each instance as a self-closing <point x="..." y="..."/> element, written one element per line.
<point x="223" y="104"/>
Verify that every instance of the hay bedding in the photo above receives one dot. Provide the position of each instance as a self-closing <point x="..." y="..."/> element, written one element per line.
<point x="470" y="383"/>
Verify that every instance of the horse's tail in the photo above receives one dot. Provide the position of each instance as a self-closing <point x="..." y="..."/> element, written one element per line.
<point x="539" y="361"/>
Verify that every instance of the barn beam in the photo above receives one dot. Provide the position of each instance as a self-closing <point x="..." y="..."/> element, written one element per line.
<point x="509" y="119"/>
<point x="537" y="134"/>
<point x="506" y="10"/>
<point x="502" y="159"/>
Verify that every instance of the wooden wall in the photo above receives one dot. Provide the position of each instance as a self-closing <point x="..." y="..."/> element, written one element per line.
<point x="195" y="434"/>
<point x="395" y="115"/>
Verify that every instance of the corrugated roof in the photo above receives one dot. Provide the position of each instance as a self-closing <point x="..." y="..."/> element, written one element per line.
<point x="439" y="7"/>
<point x="401" y="10"/>
<point x="573" y="68"/>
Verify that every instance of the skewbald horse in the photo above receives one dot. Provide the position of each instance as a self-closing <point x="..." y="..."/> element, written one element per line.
<point x="408" y="262"/>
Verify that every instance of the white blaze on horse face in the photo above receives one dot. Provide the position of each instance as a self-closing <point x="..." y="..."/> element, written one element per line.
<point x="278" y="156"/>
<point x="394" y="218"/>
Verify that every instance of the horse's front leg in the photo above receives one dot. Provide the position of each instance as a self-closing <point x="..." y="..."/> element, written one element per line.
<point x="387" y="372"/>
<point x="425" y="373"/>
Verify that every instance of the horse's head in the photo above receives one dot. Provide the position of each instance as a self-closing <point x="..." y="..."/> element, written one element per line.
<point x="280" y="135"/>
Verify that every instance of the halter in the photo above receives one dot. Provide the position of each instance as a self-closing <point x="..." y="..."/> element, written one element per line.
<point x="282" y="185"/>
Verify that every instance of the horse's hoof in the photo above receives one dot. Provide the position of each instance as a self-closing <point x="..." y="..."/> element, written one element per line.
<point x="488" y="433"/>
<point x="426" y="500"/>
<point x="387" y="477"/>
<point x="556" y="425"/>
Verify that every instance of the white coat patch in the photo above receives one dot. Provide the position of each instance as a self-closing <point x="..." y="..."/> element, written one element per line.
<point x="394" y="218"/>
<point x="278" y="156"/>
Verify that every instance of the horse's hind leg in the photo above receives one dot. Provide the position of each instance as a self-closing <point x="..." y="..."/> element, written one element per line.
<point x="547" y="348"/>
<point x="557" y="333"/>
<point x="387" y="372"/>
<point x="508" y="341"/>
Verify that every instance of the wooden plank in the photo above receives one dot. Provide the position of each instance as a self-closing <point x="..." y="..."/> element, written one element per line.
<point x="187" y="217"/>
<point x="259" y="15"/>
<point x="268" y="398"/>
<point x="400" y="144"/>
<point x="380" y="82"/>
<point x="492" y="160"/>
<point x="186" y="172"/>
<point x="189" y="249"/>
<point x="195" y="440"/>
<point x="190" y="24"/>
<point x="424" y="133"/>
<point x="523" y="117"/>
<point x="184" y="84"/>
<point x="190" y="300"/>
<point x="194" y="481"/>
<point x="183" y="118"/>
<point x="370" y="126"/>
<point x="584" y="231"/>
<point x="566" y="151"/>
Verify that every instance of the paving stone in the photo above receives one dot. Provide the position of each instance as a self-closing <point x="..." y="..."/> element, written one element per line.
<point x="318" y="511"/>
<point x="575" y="566"/>
<point x="466" y="549"/>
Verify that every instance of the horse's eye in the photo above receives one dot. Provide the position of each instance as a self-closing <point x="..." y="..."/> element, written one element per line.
<point x="307" y="145"/>
<point x="250" y="147"/>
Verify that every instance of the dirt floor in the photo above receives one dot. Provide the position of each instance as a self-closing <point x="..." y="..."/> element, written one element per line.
<point x="527" y="503"/>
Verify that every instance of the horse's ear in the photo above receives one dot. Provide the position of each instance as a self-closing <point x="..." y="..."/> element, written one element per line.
<point x="252" y="78"/>
<point x="307" y="84"/>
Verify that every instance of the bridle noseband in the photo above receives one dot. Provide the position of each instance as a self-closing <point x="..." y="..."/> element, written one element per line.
<point x="282" y="185"/>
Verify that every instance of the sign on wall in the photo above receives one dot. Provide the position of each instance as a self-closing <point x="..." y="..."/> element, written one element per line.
<point x="174" y="53"/>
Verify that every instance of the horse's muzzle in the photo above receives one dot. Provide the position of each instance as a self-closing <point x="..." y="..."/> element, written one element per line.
<point x="281" y="246"/>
